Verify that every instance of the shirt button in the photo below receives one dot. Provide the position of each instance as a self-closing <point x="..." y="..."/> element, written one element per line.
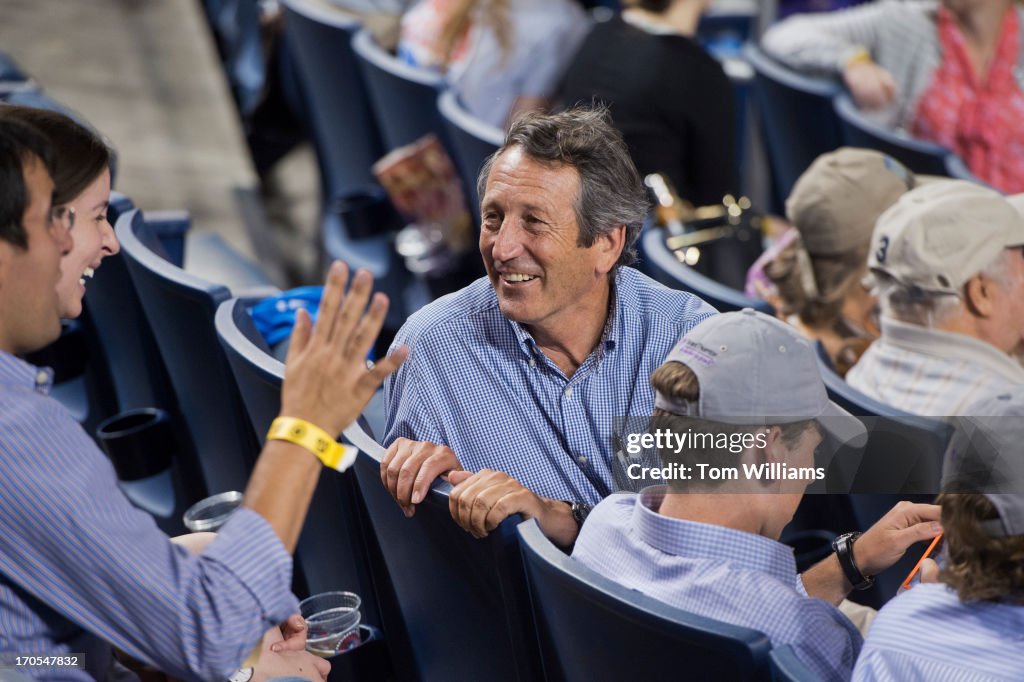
<point x="41" y="378"/>
<point x="582" y="459"/>
<point x="533" y="363"/>
<point x="568" y="392"/>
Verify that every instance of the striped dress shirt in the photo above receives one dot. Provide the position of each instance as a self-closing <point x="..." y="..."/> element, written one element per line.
<point x="477" y="382"/>
<point x="729" y="575"/>
<point x="931" y="372"/>
<point x="929" y="635"/>
<point x="81" y="568"/>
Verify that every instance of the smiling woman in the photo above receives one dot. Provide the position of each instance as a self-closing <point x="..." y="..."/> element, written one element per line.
<point x="81" y="178"/>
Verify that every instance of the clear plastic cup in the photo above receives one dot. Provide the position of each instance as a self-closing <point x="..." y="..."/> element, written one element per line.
<point x="211" y="513"/>
<point x="332" y="622"/>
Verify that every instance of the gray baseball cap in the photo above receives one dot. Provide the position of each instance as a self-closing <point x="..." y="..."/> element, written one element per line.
<point x="939" y="235"/>
<point x="752" y="366"/>
<point x="984" y="456"/>
<point x="836" y="201"/>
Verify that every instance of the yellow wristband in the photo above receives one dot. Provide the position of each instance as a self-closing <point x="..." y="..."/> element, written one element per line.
<point x="861" y="56"/>
<point x="329" y="451"/>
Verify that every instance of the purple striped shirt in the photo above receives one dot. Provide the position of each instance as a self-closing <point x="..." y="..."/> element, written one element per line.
<point x="81" y="568"/>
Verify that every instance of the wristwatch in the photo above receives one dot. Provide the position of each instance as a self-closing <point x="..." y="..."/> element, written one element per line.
<point x="241" y="675"/>
<point x="579" y="512"/>
<point x="843" y="547"/>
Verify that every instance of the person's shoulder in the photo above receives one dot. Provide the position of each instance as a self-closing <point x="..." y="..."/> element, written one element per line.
<point x="641" y="296"/>
<point x="458" y="312"/>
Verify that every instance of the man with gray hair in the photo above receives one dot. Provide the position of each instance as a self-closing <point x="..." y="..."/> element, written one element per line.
<point x="518" y="376"/>
<point x="948" y="261"/>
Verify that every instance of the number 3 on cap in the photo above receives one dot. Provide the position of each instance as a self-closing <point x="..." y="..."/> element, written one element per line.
<point x="883" y="248"/>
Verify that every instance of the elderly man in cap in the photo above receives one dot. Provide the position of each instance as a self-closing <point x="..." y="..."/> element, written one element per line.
<point x="708" y="542"/>
<point x="948" y="262"/>
<point x="969" y="626"/>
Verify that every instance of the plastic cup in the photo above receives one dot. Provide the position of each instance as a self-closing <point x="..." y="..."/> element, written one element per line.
<point x="332" y="622"/>
<point x="211" y="513"/>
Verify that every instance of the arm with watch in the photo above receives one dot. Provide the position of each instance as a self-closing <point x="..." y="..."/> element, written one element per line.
<point x="858" y="557"/>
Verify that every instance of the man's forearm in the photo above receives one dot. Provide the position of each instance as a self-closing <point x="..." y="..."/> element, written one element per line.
<point x="281" y="487"/>
<point x="825" y="580"/>
<point x="558" y="524"/>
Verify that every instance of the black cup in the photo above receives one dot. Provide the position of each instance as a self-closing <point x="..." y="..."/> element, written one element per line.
<point x="140" y="443"/>
<point x="367" y="213"/>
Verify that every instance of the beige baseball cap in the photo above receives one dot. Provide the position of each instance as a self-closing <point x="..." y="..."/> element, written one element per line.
<point x="837" y="200"/>
<point x="938" y="236"/>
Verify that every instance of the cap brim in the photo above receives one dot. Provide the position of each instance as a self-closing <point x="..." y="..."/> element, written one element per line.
<point x="843" y="427"/>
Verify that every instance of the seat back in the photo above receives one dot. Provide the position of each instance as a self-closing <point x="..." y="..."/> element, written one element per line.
<point x="799" y="122"/>
<point x="659" y="263"/>
<point x="330" y="553"/>
<point x="460" y="606"/>
<point x="592" y="628"/>
<point x="902" y="460"/>
<point x="344" y="130"/>
<point x="917" y="155"/>
<point x="472" y="140"/>
<point x="404" y="97"/>
<point x="180" y="309"/>
<point x="787" y="667"/>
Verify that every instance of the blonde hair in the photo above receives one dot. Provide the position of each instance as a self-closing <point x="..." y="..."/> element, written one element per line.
<point x="492" y="13"/>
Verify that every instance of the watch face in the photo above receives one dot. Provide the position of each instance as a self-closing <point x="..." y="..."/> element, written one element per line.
<point x="241" y="675"/>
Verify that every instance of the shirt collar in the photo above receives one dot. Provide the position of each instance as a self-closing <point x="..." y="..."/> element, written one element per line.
<point x="16" y="373"/>
<point x="706" y="541"/>
<point x="945" y="344"/>
<point x="612" y="326"/>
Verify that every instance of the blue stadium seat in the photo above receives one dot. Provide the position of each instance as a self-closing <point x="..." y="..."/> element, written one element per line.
<point x="902" y="460"/>
<point x="799" y="123"/>
<point x="404" y="96"/>
<point x="472" y="140"/>
<point x="344" y="130"/>
<point x="919" y="156"/>
<point x="786" y="667"/>
<point x="659" y="263"/>
<point x="459" y="609"/>
<point x="592" y="628"/>
<point x="180" y="308"/>
<point x="330" y="553"/>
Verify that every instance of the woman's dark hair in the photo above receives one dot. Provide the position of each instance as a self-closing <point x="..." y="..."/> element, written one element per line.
<point x="832" y="276"/>
<point x="80" y="154"/>
<point x="980" y="567"/>
<point x="656" y="6"/>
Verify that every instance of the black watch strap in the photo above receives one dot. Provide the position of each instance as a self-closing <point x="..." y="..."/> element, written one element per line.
<point x="843" y="547"/>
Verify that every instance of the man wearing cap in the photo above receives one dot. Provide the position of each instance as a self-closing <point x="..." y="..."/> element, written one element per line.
<point x="969" y="626"/>
<point x="813" y="275"/>
<point x="709" y="544"/>
<point x="948" y="262"/>
<point x="518" y="377"/>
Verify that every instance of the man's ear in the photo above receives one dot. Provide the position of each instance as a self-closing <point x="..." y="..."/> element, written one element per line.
<point x="979" y="295"/>
<point x="774" y="450"/>
<point x="609" y="246"/>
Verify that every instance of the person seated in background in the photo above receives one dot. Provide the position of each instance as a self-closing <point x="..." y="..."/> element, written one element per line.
<point x="671" y="99"/>
<point x="502" y="57"/>
<point x="949" y="72"/>
<point x="815" y="279"/>
<point x="948" y="264"/>
<point x="969" y="624"/>
<point x="518" y="377"/>
<point x="710" y="546"/>
<point x="82" y="569"/>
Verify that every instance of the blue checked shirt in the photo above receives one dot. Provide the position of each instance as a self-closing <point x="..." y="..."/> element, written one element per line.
<point x="929" y="635"/>
<point x="477" y="382"/>
<point x="717" y="572"/>
<point x="81" y="568"/>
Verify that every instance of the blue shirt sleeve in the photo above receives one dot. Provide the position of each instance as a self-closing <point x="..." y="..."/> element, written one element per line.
<point x="71" y="539"/>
